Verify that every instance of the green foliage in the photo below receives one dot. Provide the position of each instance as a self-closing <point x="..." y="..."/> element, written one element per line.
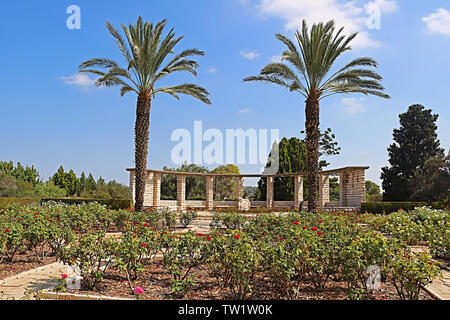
<point x="234" y="261"/>
<point x="93" y="253"/>
<point x="27" y="174"/>
<point x="225" y="187"/>
<point x="4" y="202"/>
<point x="187" y="217"/>
<point x="229" y="220"/>
<point x="410" y="272"/>
<point x="414" y="143"/>
<point x="181" y="254"/>
<point x="421" y="225"/>
<point x="389" y="207"/>
<point x="113" y="204"/>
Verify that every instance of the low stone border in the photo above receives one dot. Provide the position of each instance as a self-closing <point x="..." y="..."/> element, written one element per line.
<point x="432" y="293"/>
<point x="50" y="295"/>
<point x="29" y="272"/>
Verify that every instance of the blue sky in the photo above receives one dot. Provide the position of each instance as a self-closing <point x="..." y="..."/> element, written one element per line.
<point x="50" y="116"/>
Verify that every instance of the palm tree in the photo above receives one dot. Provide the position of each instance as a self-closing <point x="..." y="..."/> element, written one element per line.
<point x="145" y="52"/>
<point x="313" y="59"/>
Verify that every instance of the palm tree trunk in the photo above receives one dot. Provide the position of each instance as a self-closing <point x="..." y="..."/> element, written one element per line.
<point x="141" y="137"/>
<point x="312" y="150"/>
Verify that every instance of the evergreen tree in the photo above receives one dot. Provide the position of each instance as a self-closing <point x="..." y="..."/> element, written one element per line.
<point x="414" y="143"/>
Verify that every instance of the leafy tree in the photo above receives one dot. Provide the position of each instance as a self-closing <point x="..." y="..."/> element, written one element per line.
<point x="8" y="187"/>
<point x="414" y="143"/>
<point x="145" y="54"/>
<point x="195" y="186"/>
<point x="432" y="182"/>
<point x="19" y="172"/>
<point x="225" y="187"/>
<point x="48" y="190"/>
<point x="313" y="58"/>
<point x="373" y="193"/>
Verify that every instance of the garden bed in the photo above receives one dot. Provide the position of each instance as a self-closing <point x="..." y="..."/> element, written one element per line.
<point x="156" y="282"/>
<point x="23" y="262"/>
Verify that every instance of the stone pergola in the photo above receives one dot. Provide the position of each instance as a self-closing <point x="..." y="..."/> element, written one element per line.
<point x="351" y="180"/>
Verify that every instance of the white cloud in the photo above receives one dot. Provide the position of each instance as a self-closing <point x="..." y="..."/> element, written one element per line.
<point x="353" y="105"/>
<point x="345" y="13"/>
<point x="211" y="70"/>
<point x="276" y="58"/>
<point x="250" y="55"/>
<point x="438" y="22"/>
<point x="386" y="6"/>
<point x="243" y="110"/>
<point x="79" y="79"/>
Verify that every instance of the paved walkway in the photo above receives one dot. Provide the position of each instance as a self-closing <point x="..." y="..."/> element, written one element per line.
<point x="17" y="286"/>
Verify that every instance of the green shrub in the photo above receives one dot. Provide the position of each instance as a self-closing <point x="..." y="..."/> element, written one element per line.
<point x="113" y="204"/>
<point x="181" y="254"/>
<point x="409" y="272"/>
<point x="4" y="202"/>
<point x="93" y="253"/>
<point x="234" y="260"/>
<point x="389" y="207"/>
<point x="187" y="217"/>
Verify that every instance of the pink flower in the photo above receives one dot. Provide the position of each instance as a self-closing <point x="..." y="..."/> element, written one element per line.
<point x="139" y="290"/>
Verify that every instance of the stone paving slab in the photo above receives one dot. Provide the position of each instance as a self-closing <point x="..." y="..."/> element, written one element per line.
<point x="15" y="287"/>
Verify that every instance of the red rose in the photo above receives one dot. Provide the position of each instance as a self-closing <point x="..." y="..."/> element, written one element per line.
<point x="236" y="236"/>
<point x="144" y="245"/>
<point x="64" y="275"/>
<point x="319" y="233"/>
<point x="320" y="221"/>
<point x="430" y="263"/>
<point x="314" y="229"/>
<point x="208" y="238"/>
<point x="304" y="227"/>
<point x="145" y="225"/>
<point x="7" y="230"/>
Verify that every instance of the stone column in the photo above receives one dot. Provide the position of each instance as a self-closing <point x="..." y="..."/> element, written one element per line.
<point x="269" y="194"/>
<point x="324" y="190"/>
<point x="181" y="191"/>
<point x="209" y="192"/>
<point x="132" y="185"/>
<point x="240" y="187"/>
<point x="343" y="188"/>
<point x="149" y="186"/>
<point x="356" y="188"/>
<point x="156" y="189"/>
<point x="298" y="191"/>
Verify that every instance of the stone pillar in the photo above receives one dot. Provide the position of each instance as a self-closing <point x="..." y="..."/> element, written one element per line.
<point x="356" y="192"/>
<point x="269" y="194"/>
<point x="298" y="191"/>
<point x="343" y="188"/>
<point x="240" y="187"/>
<point x="181" y="191"/>
<point x="324" y="190"/>
<point x="149" y="186"/>
<point x="209" y="192"/>
<point x="132" y="185"/>
<point x="156" y="189"/>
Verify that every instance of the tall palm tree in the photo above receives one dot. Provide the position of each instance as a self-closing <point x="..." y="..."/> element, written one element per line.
<point x="314" y="59"/>
<point x="145" y="52"/>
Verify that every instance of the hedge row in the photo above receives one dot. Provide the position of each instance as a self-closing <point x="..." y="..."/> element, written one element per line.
<point x="389" y="207"/>
<point x="113" y="204"/>
<point x="4" y="202"/>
